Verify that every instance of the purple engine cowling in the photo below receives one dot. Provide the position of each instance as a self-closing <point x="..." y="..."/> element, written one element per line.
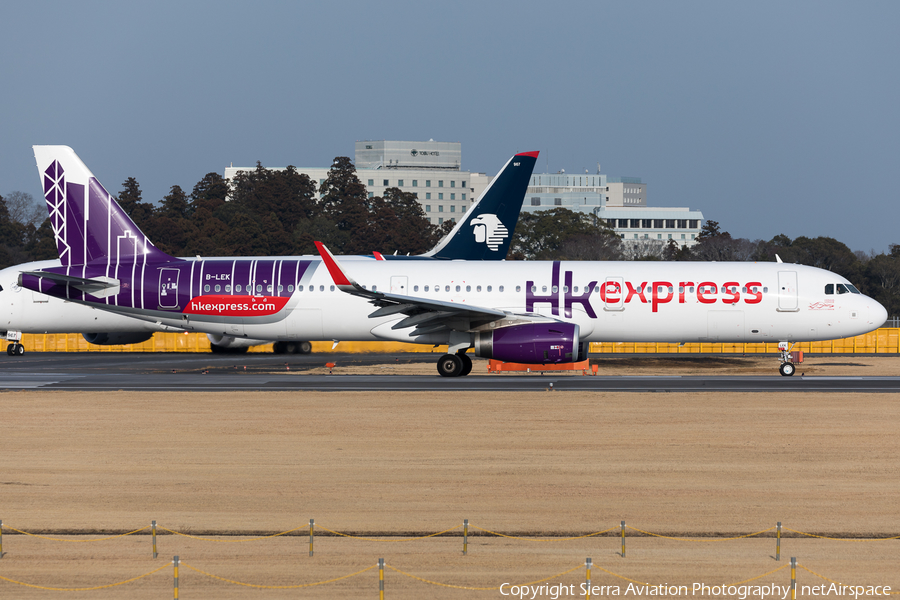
<point x="532" y="343"/>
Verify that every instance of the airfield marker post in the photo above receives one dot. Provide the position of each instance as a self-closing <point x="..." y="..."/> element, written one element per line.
<point x="587" y="563"/>
<point x="153" y="534"/>
<point x="793" y="578"/>
<point x="623" y="539"/>
<point x="380" y="579"/>
<point x="465" y="537"/>
<point x="778" y="541"/>
<point x="312" y="524"/>
<point x="1" y="538"/>
<point x="175" y="562"/>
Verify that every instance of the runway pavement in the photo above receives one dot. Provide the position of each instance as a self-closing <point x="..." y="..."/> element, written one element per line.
<point x="208" y="372"/>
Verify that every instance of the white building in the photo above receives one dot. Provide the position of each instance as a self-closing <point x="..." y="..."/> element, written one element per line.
<point x="430" y="170"/>
<point x="620" y="201"/>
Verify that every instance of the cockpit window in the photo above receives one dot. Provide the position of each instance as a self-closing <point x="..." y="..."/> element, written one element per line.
<point x="829" y="289"/>
<point x="842" y="289"/>
<point x="853" y="289"/>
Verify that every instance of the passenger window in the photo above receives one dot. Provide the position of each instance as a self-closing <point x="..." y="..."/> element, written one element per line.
<point x="217" y="287"/>
<point x="228" y="288"/>
<point x="269" y="288"/>
<point x="457" y="288"/>
<point x="291" y="287"/>
<point x="468" y="288"/>
<point x="500" y="289"/>
<point x="519" y="288"/>
<point x="237" y="287"/>
<point x="415" y="288"/>
<point x="332" y="288"/>
<point x="565" y="289"/>
<point x="576" y="289"/>
<point x="691" y="289"/>
<point x="426" y="288"/>
<point x="597" y="289"/>
<point x="206" y="288"/>
<point x="280" y="288"/>
<point x="489" y="288"/>
<point x="446" y="288"/>
<point x="258" y="287"/>
<point x="321" y="288"/>
<point x="765" y="290"/>
<point x="544" y="289"/>
<point x="478" y="288"/>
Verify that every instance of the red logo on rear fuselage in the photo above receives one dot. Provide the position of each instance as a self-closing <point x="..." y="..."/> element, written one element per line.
<point x="235" y="306"/>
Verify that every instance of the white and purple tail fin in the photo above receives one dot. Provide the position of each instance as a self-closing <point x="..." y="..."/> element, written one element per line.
<point x="89" y="225"/>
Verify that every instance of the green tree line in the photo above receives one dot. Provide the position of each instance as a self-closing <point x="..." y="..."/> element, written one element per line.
<point x="263" y="212"/>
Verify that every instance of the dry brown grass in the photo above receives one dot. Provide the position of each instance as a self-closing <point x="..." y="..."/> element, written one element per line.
<point x="521" y="463"/>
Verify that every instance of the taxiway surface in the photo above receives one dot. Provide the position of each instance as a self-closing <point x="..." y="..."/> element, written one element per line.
<point x="268" y="372"/>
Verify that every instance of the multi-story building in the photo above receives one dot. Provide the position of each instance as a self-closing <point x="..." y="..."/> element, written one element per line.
<point x="430" y="170"/>
<point x="620" y="201"/>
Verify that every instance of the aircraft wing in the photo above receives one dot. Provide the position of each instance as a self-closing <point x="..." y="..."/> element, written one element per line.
<point x="428" y="316"/>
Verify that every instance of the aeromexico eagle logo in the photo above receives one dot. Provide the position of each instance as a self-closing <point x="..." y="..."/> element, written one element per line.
<point x="490" y="230"/>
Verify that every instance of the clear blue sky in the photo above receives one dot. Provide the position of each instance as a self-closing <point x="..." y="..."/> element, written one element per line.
<point x="770" y="117"/>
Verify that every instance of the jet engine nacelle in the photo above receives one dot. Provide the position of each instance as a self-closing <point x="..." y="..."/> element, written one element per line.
<point x="532" y="343"/>
<point x="228" y="343"/>
<point x="124" y="338"/>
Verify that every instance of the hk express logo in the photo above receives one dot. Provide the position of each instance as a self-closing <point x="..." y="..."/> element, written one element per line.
<point x="615" y="293"/>
<point x="488" y="229"/>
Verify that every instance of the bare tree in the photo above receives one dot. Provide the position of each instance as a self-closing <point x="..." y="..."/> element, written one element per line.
<point x="644" y="249"/>
<point x="23" y="209"/>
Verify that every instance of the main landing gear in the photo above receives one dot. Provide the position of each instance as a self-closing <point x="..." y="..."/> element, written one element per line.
<point x="292" y="348"/>
<point x="16" y="349"/>
<point x="454" y="365"/>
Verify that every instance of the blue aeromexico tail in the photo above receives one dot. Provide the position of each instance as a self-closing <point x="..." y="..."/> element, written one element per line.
<point x="527" y="312"/>
<point x="484" y="233"/>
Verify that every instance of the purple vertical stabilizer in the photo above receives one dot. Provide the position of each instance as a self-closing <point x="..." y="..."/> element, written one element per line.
<point x="89" y="225"/>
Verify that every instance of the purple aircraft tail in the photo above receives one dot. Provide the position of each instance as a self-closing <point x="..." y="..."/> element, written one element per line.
<point x="89" y="225"/>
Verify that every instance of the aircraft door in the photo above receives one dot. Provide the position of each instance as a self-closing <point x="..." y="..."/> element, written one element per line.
<point x="398" y="285"/>
<point x="787" y="291"/>
<point x="612" y="292"/>
<point x="168" y="288"/>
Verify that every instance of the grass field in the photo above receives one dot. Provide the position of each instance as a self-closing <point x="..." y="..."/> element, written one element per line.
<point x="408" y="464"/>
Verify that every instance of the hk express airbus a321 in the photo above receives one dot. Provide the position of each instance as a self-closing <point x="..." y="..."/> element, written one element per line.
<point x="482" y="233"/>
<point x="526" y="312"/>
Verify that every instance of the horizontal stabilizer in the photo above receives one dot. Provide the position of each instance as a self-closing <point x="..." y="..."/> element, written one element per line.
<point x="99" y="287"/>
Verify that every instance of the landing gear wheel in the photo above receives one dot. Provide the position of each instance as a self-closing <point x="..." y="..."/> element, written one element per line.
<point x="787" y="369"/>
<point x="304" y="348"/>
<point x="467" y="364"/>
<point x="9" y="349"/>
<point x="450" y="365"/>
<point x="19" y="350"/>
<point x="279" y="348"/>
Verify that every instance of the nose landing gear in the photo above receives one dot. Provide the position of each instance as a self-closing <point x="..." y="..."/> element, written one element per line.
<point x="787" y="367"/>
<point x="15" y="349"/>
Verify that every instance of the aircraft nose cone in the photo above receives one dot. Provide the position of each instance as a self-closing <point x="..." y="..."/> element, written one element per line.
<point x="878" y="313"/>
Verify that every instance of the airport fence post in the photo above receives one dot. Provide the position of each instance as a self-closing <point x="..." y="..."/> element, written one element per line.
<point x="623" y="539"/>
<point x="380" y="579"/>
<point x="793" y="578"/>
<point x="465" y="537"/>
<point x="175" y="562"/>
<point x="312" y="524"/>
<point x="778" y="541"/>
<point x="587" y="563"/>
<point x="153" y="534"/>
